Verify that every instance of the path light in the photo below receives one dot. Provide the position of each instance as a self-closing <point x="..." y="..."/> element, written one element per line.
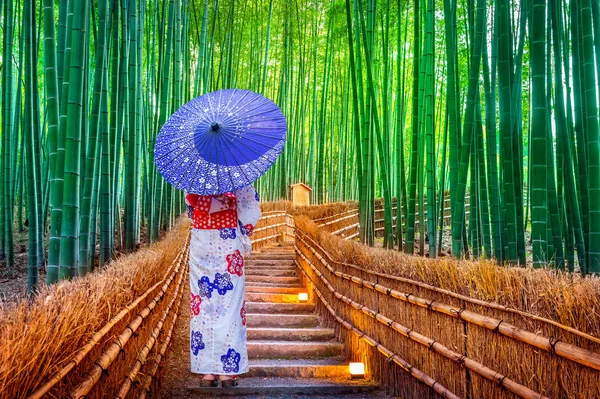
<point x="357" y="370"/>
<point x="303" y="297"/>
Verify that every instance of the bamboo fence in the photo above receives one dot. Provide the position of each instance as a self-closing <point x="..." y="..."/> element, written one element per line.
<point x="273" y="227"/>
<point x="100" y="335"/>
<point x="448" y="344"/>
<point x="116" y="370"/>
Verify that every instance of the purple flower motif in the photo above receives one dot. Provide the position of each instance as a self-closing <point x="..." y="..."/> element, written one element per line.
<point x="205" y="286"/>
<point x="227" y="233"/>
<point x="222" y="283"/>
<point x="220" y="310"/>
<point x="196" y="342"/>
<point x="231" y="361"/>
<point x="190" y="211"/>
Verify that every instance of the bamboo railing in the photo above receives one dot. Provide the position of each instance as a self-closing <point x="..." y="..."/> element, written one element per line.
<point x="110" y="362"/>
<point x="271" y="228"/>
<point x="454" y="345"/>
<point x="338" y="224"/>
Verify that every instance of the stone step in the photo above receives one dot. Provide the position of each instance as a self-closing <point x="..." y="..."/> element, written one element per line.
<point x="288" y="308"/>
<point x="270" y="297"/>
<point x="266" y="283"/>
<point x="282" y="320"/>
<point x="267" y="266"/>
<point x="271" y="273"/>
<point x="289" y="387"/>
<point x="308" y="368"/>
<point x="270" y="262"/>
<point x="290" y="334"/>
<point x="273" y="256"/>
<point x="281" y="246"/>
<point x="268" y="269"/>
<point x="276" y="250"/>
<point x="278" y="265"/>
<point x="287" y="244"/>
<point x="293" y="349"/>
<point x="274" y="290"/>
<point x="273" y="279"/>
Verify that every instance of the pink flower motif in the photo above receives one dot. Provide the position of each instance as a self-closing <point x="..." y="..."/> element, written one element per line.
<point x="235" y="263"/>
<point x="195" y="302"/>
<point x="249" y="229"/>
<point x="243" y="313"/>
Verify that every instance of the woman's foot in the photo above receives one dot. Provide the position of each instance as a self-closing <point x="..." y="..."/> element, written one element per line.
<point x="229" y="380"/>
<point x="209" y="380"/>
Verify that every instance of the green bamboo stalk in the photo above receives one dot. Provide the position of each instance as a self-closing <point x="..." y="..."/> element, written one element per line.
<point x="592" y="136"/>
<point x="538" y="137"/>
<point x="87" y="239"/>
<point x="430" y="132"/>
<point x="71" y="201"/>
<point x="57" y="186"/>
<point x="8" y="136"/>
<point x="458" y="214"/>
<point x="164" y="103"/>
<point x="489" y="83"/>
<point x="29" y="132"/>
<point x="414" y="145"/>
<point x="132" y="129"/>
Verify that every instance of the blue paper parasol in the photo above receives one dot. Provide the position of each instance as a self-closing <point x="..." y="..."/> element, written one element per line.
<point x="220" y="142"/>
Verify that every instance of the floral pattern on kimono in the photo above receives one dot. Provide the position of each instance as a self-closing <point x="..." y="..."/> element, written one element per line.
<point x="227" y="233"/>
<point x="205" y="288"/>
<point x="231" y="361"/>
<point x="235" y="263"/>
<point x="195" y="302"/>
<point x="196" y="343"/>
<point x="243" y="313"/>
<point x="218" y="314"/>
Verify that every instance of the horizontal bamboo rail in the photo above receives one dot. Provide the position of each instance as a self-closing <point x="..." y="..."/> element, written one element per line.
<point x="273" y="214"/>
<point x="491" y="375"/>
<point x="548" y="344"/>
<point x="142" y="356"/>
<point x="339" y="220"/>
<point x="109" y="355"/>
<point x="418" y="374"/>
<point x="275" y="231"/>
<point x="266" y="215"/>
<point x="461" y="297"/>
<point x="156" y="363"/>
<point x="335" y="216"/>
<point x="270" y="227"/>
<point x="352" y="236"/>
<point x="343" y="229"/>
<point x="82" y="353"/>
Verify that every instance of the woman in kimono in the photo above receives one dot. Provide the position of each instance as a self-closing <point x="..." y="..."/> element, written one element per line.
<point x="220" y="240"/>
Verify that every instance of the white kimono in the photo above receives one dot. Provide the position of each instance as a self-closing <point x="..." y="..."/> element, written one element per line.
<point x="218" y="314"/>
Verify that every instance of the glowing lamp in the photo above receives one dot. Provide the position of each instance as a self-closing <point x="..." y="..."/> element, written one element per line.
<point x="303" y="297"/>
<point x="357" y="370"/>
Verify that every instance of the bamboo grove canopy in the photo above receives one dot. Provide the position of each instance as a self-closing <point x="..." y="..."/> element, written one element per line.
<point x="492" y="102"/>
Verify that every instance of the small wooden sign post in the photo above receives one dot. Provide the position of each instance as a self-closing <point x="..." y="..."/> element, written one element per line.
<point x="300" y="194"/>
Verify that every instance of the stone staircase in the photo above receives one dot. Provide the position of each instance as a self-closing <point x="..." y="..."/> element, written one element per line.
<point x="291" y="353"/>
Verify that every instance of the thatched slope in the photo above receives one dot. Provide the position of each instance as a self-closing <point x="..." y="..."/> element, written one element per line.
<point x="564" y="297"/>
<point x="37" y="338"/>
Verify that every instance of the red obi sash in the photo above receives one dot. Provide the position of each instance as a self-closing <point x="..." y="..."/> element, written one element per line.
<point x="213" y="212"/>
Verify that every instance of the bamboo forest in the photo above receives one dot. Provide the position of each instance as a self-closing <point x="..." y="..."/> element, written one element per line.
<point x="472" y="123"/>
